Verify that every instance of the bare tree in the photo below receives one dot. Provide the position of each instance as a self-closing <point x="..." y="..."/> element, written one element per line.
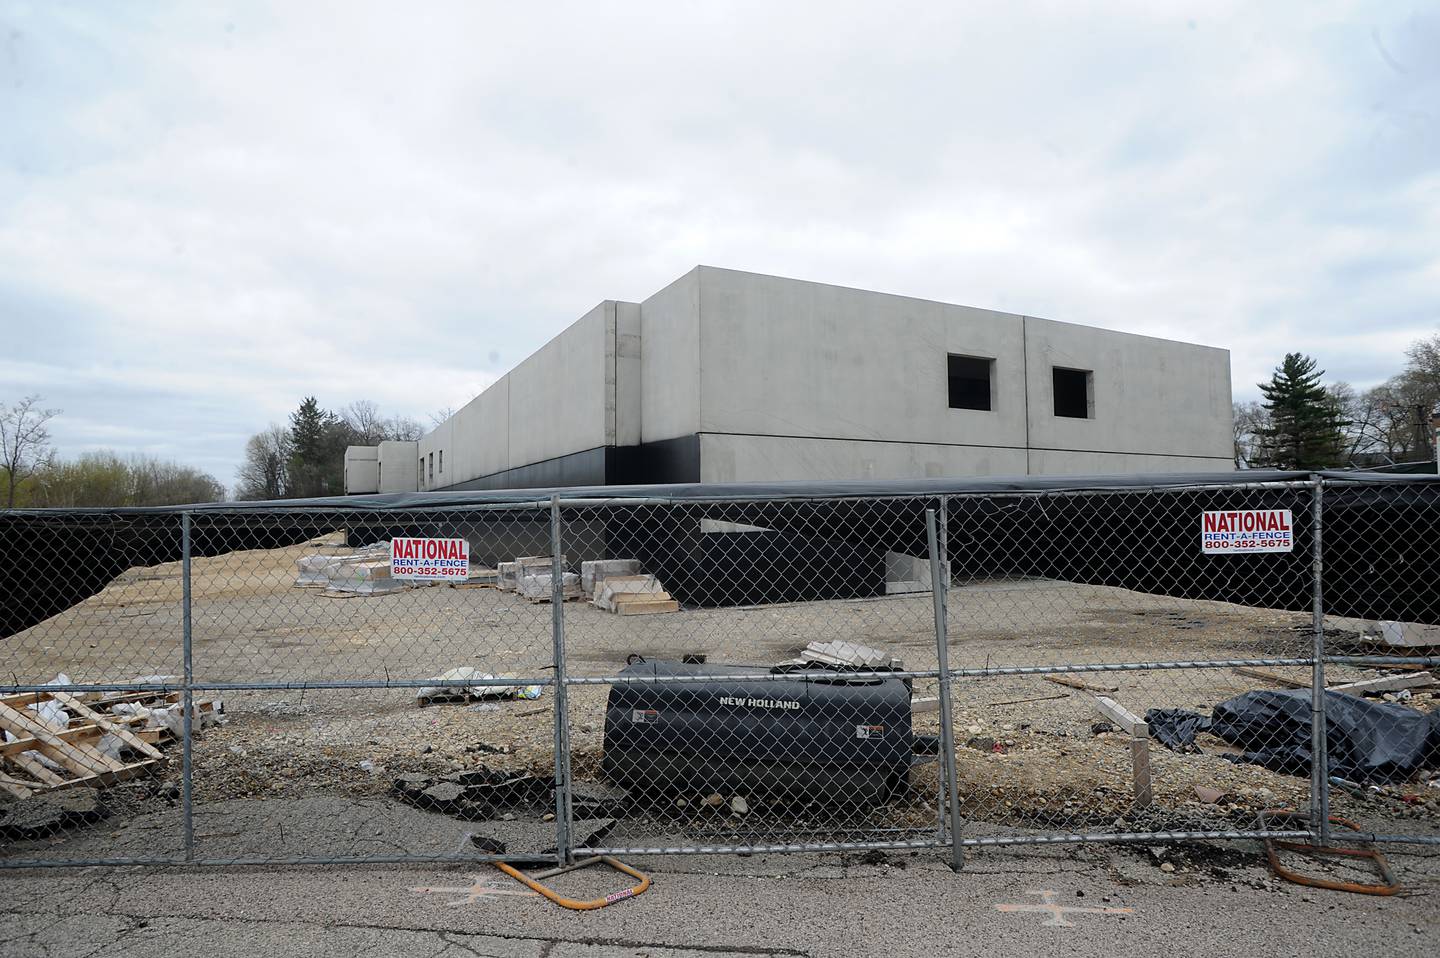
<point x="265" y="474"/>
<point x="404" y="428"/>
<point x="1424" y="365"/>
<point x="438" y="417"/>
<point x="24" y="442"/>
<point x="1251" y="420"/>
<point x="364" y="421"/>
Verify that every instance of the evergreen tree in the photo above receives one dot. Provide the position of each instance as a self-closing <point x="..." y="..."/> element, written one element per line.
<point x="309" y="450"/>
<point x="1306" y="427"/>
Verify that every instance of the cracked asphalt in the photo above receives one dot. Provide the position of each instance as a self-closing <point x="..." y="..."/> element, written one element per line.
<point x="898" y="904"/>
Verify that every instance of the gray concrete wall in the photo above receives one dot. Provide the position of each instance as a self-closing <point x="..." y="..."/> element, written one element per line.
<point x="805" y="380"/>
<point x="783" y="357"/>
<point x="786" y="379"/>
<point x="761" y="458"/>
<point x="398" y="466"/>
<point x="670" y="360"/>
<point x="1152" y="396"/>
<point x="362" y="470"/>
<point x="628" y="351"/>
<point x="579" y="391"/>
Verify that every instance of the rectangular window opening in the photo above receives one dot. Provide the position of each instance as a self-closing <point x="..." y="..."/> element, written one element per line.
<point x="1074" y="393"/>
<point x="972" y="382"/>
<point x="442" y="462"/>
<point x="431" y="480"/>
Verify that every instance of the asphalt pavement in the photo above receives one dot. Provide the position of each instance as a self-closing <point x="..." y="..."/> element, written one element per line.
<point x="1078" y="900"/>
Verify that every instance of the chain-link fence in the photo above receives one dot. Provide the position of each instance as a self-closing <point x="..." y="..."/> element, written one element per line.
<point x="267" y="683"/>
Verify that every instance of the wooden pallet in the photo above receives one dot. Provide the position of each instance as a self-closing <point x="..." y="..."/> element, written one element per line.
<point x="75" y="759"/>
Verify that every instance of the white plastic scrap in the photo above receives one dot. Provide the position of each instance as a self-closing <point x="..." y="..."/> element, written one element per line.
<point x="466" y="673"/>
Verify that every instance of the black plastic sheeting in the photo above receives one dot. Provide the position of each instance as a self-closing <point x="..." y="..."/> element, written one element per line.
<point x="1366" y="741"/>
<point x="823" y="540"/>
<point x="792" y="489"/>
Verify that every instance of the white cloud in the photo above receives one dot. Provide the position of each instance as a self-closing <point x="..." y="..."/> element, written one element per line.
<point x="207" y="214"/>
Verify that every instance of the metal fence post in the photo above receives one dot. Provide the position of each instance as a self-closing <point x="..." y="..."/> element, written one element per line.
<point x="187" y="693"/>
<point x="947" y="719"/>
<point x="1319" y="759"/>
<point x="564" y="853"/>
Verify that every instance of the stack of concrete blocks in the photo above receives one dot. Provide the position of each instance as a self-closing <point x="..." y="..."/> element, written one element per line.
<point x="633" y="595"/>
<point x="481" y="576"/>
<point x="907" y="573"/>
<point x="595" y="571"/>
<point x="533" y="577"/>
<point x="365" y="577"/>
<point x="541" y="588"/>
<point x="317" y="569"/>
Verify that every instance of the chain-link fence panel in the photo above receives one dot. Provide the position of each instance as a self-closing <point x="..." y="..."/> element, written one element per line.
<point x="1381" y="598"/>
<point x="337" y="711"/>
<point x="90" y="614"/>
<point x="1098" y="639"/>
<point x="254" y="685"/>
<point x="753" y="674"/>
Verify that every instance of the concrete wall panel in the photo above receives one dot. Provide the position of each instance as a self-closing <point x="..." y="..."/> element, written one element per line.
<point x="1150" y="395"/>
<point x="790" y="358"/>
<point x="557" y="395"/>
<point x="670" y="360"/>
<point x="729" y="458"/>
<point x="398" y="466"/>
<point x="1050" y="462"/>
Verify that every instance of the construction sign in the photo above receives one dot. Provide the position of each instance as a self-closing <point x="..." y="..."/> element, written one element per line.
<point x="1243" y="531"/>
<point x="443" y="559"/>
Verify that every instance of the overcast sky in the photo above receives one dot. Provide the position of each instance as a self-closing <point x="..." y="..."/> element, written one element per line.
<point x="208" y="211"/>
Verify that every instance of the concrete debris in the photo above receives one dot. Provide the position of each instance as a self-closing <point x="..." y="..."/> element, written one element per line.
<point x="738" y="806"/>
<point x="849" y="655"/>
<point x="45" y="814"/>
<point x="633" y="595"/>
<point x="593" y="571"/>
<point x="907" y="573"/>
<point x="535" y="838"/>
<point x="479" y="794"/>
<point x="595" y="800"/>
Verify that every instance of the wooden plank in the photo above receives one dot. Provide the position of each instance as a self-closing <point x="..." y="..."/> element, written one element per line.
<point x="1388" y="683"/>
<point x="923" y="705"/>
<point x="1118" y="714"/>
<point x="16" y="787"/>
<point x="646" y="607"/>
<point x="1274" y="678"/>
<point x="36" y="769"/>
<point x="1075" y="683"/>
<point x="74" y="756"/>
<point x="120" y="732"/>
<point x="1037" y="698"/>
<point x="1140" y="762"/>
<point x="122" y="774"/>
<point x="80" y="733"/>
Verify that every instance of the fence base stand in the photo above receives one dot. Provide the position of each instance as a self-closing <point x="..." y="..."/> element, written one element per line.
<point x="533" y="882"/>
<point x="1273" y="846"/>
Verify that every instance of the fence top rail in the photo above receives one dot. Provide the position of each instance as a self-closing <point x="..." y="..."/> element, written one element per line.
<point x="761" y="491"/>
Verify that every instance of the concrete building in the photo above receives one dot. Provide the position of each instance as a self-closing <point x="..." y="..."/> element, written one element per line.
<point x="729" y="376"/>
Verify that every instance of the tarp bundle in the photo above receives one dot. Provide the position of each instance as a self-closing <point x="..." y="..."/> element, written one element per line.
<point x="1366" y="741"/>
